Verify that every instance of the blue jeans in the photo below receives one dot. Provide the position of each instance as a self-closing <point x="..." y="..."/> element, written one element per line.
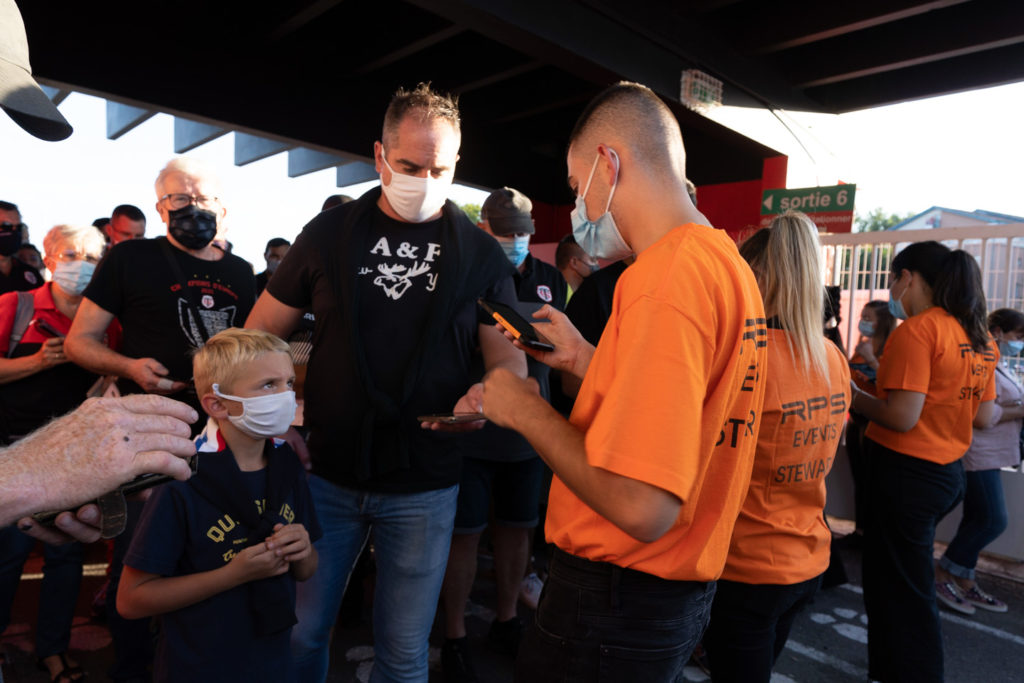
<point x="908" y="498"/>
<point x="750" y="624"/>
<point x="411" y="535"/>
<point x="62" y="577"/>
<point x="984" y="519"/>
<point x="599" y="622"/>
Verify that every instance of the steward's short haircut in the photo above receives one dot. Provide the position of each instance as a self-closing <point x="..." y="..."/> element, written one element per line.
<point x="129" y="211"/>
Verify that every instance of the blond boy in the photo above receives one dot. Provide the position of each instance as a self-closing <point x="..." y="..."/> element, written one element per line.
<point x="218" y="556"/>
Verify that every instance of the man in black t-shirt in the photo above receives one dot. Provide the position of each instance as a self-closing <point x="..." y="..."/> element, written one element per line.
<point x="170" y="295"/>
<point x="15" y="276"/>
<point x="393" y="279"/>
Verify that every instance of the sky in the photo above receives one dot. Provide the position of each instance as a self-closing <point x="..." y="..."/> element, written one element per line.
<point x="961" y="151"/>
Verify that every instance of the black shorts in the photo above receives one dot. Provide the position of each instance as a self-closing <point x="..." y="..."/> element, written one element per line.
<point x="516" y="490"/>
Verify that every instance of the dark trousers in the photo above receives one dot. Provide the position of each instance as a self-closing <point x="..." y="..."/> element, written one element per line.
<point x="908" y="498"/>
<point x="599" y="622"/>
<point x="856" y="454"/>
<point x="750" y="625"/>
<point x="984" y="520"/>
<point x="133" y="638"/>
<point x="62" y="577"/>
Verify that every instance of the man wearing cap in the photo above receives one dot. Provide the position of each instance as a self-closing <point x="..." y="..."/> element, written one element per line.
<point x="499" y="462"/>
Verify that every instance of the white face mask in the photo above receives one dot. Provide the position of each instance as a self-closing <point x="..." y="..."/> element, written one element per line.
<point x="73" y="276"/>
<point x="262" y="416"/>
<point x="415" y="199"/>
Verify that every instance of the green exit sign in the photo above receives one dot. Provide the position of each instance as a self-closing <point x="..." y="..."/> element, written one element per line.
<point x="833" y="199"/>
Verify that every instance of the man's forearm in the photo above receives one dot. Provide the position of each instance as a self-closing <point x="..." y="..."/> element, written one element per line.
<point x="22" y="486"/>
<point x="305" y="568"/>
<point x="95" y="356"/>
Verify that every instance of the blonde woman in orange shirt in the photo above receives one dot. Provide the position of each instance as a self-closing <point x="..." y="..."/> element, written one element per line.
<point x="935" y="377"/>
<point x="780" y="544"/>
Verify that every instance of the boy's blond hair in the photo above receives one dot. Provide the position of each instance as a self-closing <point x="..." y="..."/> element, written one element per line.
<point x="220" y="359"/>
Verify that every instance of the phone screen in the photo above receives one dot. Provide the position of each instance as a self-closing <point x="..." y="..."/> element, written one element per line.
<point x="452" y="418"/>
<point x="519" y="326"/>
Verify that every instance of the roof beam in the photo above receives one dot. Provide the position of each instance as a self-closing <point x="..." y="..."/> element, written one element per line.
<point x="804" y="23"/>
<point x="301" y="18"/>
<point x="302" y="160"/>
<point x="408" y="50"/>
<point x="250" y="148"/>
<point x="191" y="134"/>
<point x="969" y="72"/>
<point x="938" y="36"/>
<point x="356" y="172"/>
<point x="56" y="95"/>
<point x="121" y="118"/>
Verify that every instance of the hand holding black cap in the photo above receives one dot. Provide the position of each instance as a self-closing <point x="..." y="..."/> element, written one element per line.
<point x="20" y="95"/>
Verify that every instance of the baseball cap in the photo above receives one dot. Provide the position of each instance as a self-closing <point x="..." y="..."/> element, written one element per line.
<point x="20" y="95"/>
<point x="507" y="211"/>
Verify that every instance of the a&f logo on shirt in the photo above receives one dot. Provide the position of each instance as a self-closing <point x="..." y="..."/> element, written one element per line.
<point x="396" y="278"/>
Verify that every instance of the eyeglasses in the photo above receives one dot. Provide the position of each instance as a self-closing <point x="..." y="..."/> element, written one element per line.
<point x="10" y="227"/>
<point x="72" y="255"/>
<point x="180" y="201"/>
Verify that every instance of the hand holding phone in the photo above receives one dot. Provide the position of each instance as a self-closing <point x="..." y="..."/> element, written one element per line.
<point x="518" y="326"/>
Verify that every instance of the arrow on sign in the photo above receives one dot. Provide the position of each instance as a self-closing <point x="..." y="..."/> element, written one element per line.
<point x="768" y="202"/>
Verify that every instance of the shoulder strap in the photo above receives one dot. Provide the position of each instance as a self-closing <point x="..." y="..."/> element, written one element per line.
<point x="166" y="247"/>
<point x="22" y="317"/>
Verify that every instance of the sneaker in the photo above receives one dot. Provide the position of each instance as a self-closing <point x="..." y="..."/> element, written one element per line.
<point x="529" y="590"/>
<point x="505" y="635"/>
<point x="980" y="598"/>
<point x="456" y="666"/>
<point x="949" y="594"/>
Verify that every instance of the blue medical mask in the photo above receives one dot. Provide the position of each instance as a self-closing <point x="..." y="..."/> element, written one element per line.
<point x="599" y="238"/>
<point x="866" y="327"/>
<point x="517" y="249"/>
<point x="73" y="276"/>
<point x="896" y="305"/>
<point x="1010" y="348"/>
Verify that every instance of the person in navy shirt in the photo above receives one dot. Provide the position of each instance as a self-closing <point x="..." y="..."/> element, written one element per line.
<point x="218" y="556"/>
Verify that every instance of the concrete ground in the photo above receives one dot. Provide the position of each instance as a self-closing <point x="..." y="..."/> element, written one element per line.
<point x="827" y="642"/>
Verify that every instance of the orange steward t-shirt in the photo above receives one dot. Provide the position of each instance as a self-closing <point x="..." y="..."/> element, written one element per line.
<point x="780" y="535"/>
<point x="930" y="354"/>
<point x="672" y="398"/>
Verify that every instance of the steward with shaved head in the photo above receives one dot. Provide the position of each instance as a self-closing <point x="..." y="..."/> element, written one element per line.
<point x="655" y="460"/>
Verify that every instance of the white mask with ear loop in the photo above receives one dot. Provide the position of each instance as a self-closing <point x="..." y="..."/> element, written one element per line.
<point x="415" y="199"/>
<point x="262" y="416"/>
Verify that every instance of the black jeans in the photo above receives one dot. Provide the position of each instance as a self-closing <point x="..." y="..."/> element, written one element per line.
<point x="908" y="498"/>
<point x="599" y="622"/>
<point x="749" y="626"/>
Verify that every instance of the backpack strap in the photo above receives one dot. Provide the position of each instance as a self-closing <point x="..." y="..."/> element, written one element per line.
<point x="22" y="317"/>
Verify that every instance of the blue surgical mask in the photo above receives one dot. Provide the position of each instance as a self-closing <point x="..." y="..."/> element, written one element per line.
<point x="73" y="276"/>
<point x="866" y="327"/>
<point x="1010" y="348"/>
<point x="517" y="249"/>
<point x="896" y="306"/>
<point x="600" y="238"/>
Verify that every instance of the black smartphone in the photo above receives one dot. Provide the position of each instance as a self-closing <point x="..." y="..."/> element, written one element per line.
<point x="452" y="418"/>
<point x="46" y="328"/>
<point x="136" y="485"/>
<point x="519" y="326"/>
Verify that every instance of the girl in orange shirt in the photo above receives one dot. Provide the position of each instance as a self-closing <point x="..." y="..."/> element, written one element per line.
<point x="936" y="374"/>
<point x="780" y="543"/>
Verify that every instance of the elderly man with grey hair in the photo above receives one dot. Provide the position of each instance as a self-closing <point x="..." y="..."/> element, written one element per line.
<point x="170" y="295"/>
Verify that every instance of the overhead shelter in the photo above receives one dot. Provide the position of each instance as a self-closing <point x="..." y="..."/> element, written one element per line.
<point x="312" y="77"/>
